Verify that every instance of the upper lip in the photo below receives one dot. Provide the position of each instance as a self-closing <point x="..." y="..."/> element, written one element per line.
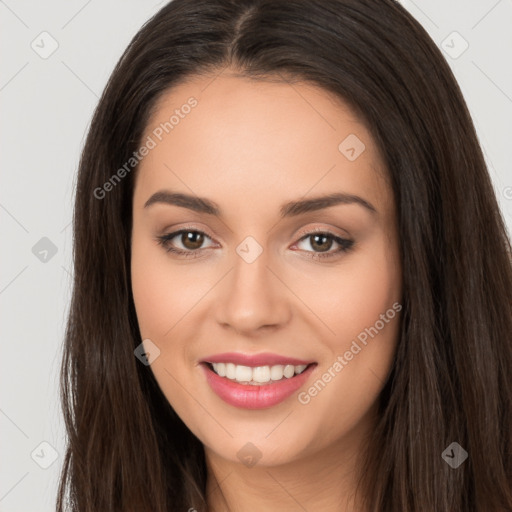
<point x="263" y="359"/>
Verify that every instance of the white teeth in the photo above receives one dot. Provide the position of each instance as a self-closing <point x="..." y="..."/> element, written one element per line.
<point x="230" y="370"/>
<point x="276" y="372"/>
<point x="258" y="374"/>
<point x="261" y="374"/>
<point x="243" y="373"/>
<point x="289" y="371"/>
<point x="221" y="369"/>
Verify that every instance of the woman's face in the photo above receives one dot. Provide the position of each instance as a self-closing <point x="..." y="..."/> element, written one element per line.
<point x="315" y="283"/>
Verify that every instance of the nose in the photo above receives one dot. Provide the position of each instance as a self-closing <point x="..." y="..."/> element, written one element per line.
<point x="253" y="298"/>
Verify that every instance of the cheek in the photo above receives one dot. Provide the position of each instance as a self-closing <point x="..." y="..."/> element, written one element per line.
<point x="163" y="291"/>
<point x="351" y="296"/>
<point x="149" y="285"/>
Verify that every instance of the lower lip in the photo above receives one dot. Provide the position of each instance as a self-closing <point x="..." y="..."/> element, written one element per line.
<point x="247" y="396"/>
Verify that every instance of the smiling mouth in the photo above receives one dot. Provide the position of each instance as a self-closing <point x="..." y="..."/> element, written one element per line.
<point x="259" y="375"/>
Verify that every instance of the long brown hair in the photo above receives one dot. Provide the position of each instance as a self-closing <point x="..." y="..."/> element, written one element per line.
<point x="128" y="450"/>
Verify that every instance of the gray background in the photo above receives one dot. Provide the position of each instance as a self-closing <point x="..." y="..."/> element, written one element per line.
<point x="47" y="102"/>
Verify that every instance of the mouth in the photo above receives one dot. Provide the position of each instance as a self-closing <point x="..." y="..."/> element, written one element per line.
<point x="256" y="387"/>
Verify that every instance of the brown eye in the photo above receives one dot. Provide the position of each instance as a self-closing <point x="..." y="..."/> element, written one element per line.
<point x="321" y="242"/>
<point x="192" y="239"/>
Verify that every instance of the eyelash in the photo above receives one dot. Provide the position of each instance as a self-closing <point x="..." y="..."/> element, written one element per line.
<point x="345" y="244"/>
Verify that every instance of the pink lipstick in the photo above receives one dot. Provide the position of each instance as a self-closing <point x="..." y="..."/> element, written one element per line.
<point x="256" y="381"/>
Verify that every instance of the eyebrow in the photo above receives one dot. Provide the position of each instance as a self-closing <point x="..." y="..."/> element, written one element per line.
<point x="289" y="209"/>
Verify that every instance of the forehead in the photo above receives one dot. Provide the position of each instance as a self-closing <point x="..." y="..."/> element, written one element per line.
<point x="221" y="136"/>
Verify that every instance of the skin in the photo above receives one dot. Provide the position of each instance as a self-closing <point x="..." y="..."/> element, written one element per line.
<point x="250" y="147"/>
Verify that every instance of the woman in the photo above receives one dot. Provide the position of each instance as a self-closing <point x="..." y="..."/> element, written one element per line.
<point x="293" y="285"/>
